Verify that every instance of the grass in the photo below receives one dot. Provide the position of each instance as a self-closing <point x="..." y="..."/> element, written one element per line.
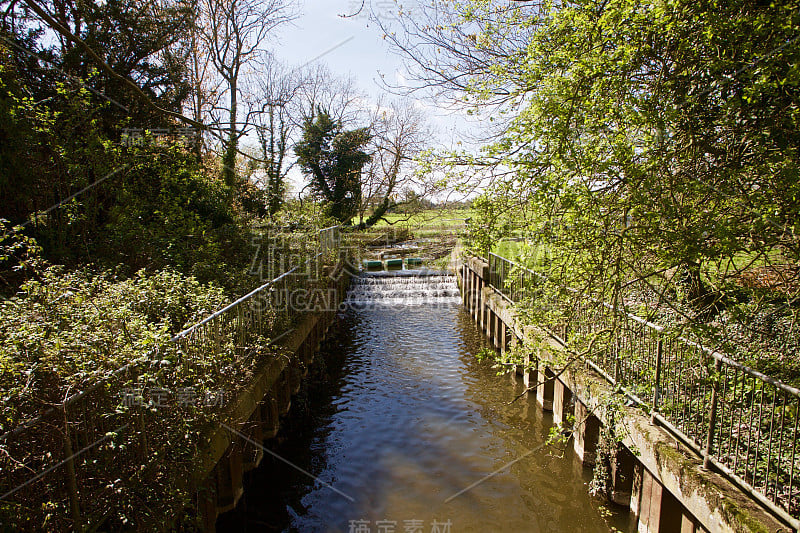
<point x="430" y="217"/>
<point x="507" y="249"/>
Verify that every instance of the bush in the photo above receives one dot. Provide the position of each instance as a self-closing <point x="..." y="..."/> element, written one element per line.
<point x="69" y="329"/>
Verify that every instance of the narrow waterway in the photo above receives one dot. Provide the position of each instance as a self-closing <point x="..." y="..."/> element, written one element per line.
<point x="411" y="432"/>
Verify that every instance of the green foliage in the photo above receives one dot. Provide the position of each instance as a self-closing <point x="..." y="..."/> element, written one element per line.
<point x="333" y="157"/>
<point x="652" y="148"/>
<point x="69" y="329"/>
<point x="86" y="197"/>
<point x="488" y="224"/>
<point x="610" y="440"/>
<point x="168" y="213"/>
<point x="147" y="242"/>
<point x="20" y="256"/>
<point x="19" y="122"/>
<point x="304" y="214"/>
<point x="153" y="206"/>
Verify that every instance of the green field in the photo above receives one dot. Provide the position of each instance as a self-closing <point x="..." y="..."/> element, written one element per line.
<point x="429" y="217"/>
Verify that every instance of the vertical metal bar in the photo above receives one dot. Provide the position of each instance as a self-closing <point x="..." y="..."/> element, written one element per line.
<point x="671" y="369"/>
<point x="72" y="477"/>
<point x="758" y="439"/>
<point x="780" y="445"/>
<point x="503" y="277"/>
<point x="722" y="404"/>
<point x="679" y="384"/>
<point x="794" y="449"/>
<point x="738" y="426"/>
<point x="694" y="399"/>
<point x="769" y="446"/>
<point x="657" y="379"/>
<point x="216" y="333"/>
<point x="750" y="429"/>
<point x="712" y="417"/>
<point x="498" y="284"/>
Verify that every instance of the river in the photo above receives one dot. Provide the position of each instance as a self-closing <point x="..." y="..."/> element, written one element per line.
<point x="410" y="432"/>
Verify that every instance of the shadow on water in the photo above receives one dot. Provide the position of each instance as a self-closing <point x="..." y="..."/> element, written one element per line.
<point x="399" y="416"/>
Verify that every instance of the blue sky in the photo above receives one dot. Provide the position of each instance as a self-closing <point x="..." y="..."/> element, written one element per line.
<point x="355" y="46"/>
<point x="359" y="48"/>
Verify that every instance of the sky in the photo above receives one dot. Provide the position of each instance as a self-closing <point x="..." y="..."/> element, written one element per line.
<point x="351" y="45"/>
<point x="355" y="46"/>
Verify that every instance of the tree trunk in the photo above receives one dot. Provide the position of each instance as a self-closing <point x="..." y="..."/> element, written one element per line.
<point x="699" y="296"/>
<point x="229" y="157"/>
<point x="378" y="213"/>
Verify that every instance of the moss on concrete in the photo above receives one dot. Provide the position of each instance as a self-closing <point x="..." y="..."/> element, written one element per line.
<point x="736" y="509"/>
<point x="715" y="501"/>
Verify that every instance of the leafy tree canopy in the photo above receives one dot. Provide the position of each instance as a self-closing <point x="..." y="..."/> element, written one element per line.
<point x="333" y="158"/>
<point x="649" y="147"/>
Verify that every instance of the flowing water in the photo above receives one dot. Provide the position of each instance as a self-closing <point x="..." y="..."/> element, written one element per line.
<point x="410" y="432"/>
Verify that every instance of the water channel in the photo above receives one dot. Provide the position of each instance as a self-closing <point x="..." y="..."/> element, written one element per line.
<point x="409" y="431"/>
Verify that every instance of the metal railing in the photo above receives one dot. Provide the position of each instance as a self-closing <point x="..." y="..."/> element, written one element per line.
<point x="739" y="420"/>
<point x="329" y="240"/>
<point x="73" y="464"/>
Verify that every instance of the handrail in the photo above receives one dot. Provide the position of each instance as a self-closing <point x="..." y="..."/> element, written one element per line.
<point x="148" y="356"/>
<point x="753" y="439"/>
<point x="244" y="298"/>
<point x="661" y="329"/>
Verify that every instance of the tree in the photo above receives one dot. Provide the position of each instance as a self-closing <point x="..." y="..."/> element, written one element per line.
<point x="233" y="33"/>
<point x="338" y="95"/>
<point x="144" y="42"/>
<point x="278" y="119"/>
<point x="399" y="135"/>
<point x="76" y="112"/>
<point x="652" y="146"/>
<point x="333" y="158"/>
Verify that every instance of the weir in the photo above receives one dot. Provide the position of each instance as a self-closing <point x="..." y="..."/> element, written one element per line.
<point x="399" y="425"/>
<point x="403" y="287"/>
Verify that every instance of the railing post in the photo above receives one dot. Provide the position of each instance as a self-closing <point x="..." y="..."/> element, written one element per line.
<point x="501" y="281"/>
<point x="712" y="417"/>
<point x="657" y="380"/>
<point x="215" y="331"/>
<point x="72" y="477"/>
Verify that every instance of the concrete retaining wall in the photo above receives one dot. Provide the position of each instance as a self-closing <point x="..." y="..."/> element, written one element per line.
<point x="652" y="474"/>
<point x="255" y="414"/>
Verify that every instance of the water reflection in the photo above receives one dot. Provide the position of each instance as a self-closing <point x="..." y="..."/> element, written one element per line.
<point x="407" y="419"/>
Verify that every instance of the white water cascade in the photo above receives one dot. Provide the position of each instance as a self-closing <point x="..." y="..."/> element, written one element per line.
<point x="403" y="287"/>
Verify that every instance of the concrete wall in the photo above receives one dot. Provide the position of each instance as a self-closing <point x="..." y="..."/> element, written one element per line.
<point x="660" y="481"/>
<point x="256" y="413"/>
